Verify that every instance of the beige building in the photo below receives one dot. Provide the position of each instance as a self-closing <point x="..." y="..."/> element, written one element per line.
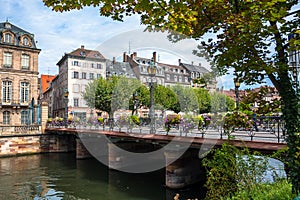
<point x="18" y="76"/>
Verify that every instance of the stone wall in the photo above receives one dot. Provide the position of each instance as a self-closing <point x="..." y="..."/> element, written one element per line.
<point x="42" y="143"/>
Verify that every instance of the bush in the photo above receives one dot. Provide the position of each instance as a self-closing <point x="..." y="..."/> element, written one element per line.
<point x="233" y="172"/>
<point x="280" y="190"/>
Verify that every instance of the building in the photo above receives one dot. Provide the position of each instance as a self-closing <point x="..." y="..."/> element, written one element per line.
<point x="140" y="65"/>
<point x="19" y="76"/>
<point x="46" y="80"/>
<point x="168" y="75"/>
<point x="76" y="70"/>
<point x="114" y="68"/>
<point x="46" y="94"/>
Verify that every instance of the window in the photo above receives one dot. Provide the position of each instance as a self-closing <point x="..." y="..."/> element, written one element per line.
<point x="76" y="102"/>
<point x="186" y="79"/>
<point x="25" y="41"/>
<point x="6" y="91"/>
<point x="92" y="65"/>
<point x="25" y="61"/>
<point x="168" y="76"/>
<point x="24" y="117"/>
<point x="6" y="117"/>
<point x="179" y="79"/>
<point x="75" y="75"/>
<point x="7" y="59"/>
<point x="99" y="66"/>
<point x="85" y="65"/>
<point x="83" y="75"/>
<point x="24" y="93"/>
<point x="8" y="38"/>
<point x="98" y="76"/>
<point x="75" y="63"/>
<point x="91" y="76"/>
<point x="75" y="88"/>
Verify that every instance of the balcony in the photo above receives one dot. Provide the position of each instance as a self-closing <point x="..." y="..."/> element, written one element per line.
<point x="13" y="103"/>
<point x="7" y="66"/>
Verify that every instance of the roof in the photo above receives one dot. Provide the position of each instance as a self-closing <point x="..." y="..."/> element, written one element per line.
<point x="13" y="28"/>
<point x="45" y="81"/>
<point x="82" y="53"/>
<point x="194" y="68"/>
<point x="7" y="26"/>
<point x="119" y="69"/>
<point x="86" y="53"/>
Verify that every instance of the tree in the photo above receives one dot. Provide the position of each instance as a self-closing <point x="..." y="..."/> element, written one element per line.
<point x="221" y="102"/>
<point x="264" y="106"/>
<point x="143" y="97"/>
<point x="204" y="100"/>
<point x="187" y="99"/>
<point x="110" y="94"/>
<point x="165" y="98"/>
<point x="249" y="36"/>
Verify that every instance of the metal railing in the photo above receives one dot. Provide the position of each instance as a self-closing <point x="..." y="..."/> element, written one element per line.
<point x="267" y="129"/>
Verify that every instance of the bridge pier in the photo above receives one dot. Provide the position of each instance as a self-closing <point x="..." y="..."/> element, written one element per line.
<point x="81" y="151"/>
<point x="121" y="160"/>
<point x="184" y="171"/>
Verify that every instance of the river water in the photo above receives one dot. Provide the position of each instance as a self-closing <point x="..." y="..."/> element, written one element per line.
<point x="60" y="176"/>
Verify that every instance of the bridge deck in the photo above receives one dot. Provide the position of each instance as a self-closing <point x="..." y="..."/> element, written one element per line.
<point x="196" y="140"/>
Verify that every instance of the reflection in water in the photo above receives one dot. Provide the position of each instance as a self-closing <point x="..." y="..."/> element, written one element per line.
<point x="61" y="176"/>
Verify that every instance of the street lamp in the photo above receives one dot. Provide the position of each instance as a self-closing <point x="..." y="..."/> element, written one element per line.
<point x="135" y="103"/>
<point x="151" y="71"/>
<point x="237" y="85"/>
<point x="66" y="100"/>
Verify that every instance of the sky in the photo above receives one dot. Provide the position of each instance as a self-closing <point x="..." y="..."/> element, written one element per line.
<point x="59" y="33"/>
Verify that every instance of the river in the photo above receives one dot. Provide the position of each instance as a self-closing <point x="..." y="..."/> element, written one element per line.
<point x="60" y="176"/>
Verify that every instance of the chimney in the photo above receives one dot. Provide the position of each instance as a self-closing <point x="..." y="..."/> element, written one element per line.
<point x="114" y="60"/>
<point x="179" y="61"/>
<point x="154" y="57"/>
<point x="82" y="46"/>
<point x="192" y="62"/>
<point x="124" y="57"/>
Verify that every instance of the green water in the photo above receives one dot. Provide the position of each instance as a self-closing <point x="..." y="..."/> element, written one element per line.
<point x="61" y="176"/>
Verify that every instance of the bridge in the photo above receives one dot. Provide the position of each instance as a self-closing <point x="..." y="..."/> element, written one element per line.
<point x="138" y="149"/>
<point x="180" y="150"/>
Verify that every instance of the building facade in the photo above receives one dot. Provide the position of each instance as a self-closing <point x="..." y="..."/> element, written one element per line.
<point x="76" y="70"/>
<point x="18" y="76"/>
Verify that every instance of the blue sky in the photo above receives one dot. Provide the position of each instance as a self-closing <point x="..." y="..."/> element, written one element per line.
<point x="58" y="33"/>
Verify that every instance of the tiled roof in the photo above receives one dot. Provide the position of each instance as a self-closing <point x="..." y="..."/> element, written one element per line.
<point x="45" y="81"/>
<point x="87" y="53"/>
<point x="119" y="69"/>
<point x="194" y="68"/>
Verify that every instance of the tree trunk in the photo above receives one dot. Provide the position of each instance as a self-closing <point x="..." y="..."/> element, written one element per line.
<point x="290" y="112"/>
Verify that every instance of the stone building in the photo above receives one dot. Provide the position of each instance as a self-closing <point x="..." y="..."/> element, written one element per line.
<point x="18" y="76"/>
<point x="76" y="70"/>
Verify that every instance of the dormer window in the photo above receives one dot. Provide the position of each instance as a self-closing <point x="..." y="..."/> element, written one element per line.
<point x="25" y="41"/>
<point x="8" y="38"/>
<point x="7" y="25"/>
<point x="82" y="53"/>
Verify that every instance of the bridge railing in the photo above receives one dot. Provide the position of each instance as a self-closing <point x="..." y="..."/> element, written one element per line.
<point x="264" y="129"/>
<point x="19" y="130"/>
